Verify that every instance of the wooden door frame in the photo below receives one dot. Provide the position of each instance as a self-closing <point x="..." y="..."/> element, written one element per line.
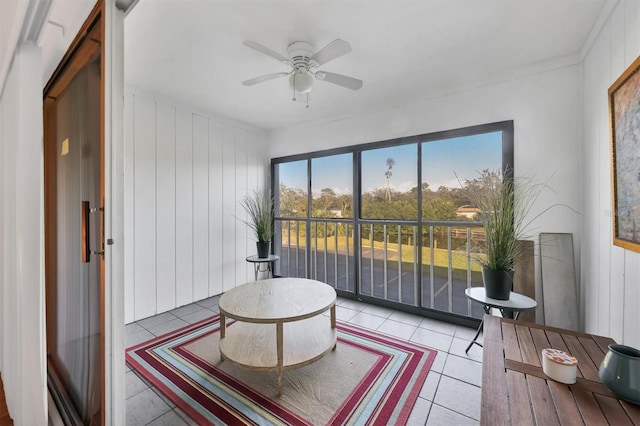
<point x="88" y="42"/>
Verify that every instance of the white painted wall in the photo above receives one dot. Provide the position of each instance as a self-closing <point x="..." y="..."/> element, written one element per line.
<point x="22" y="308"/>
<point x="545" y="107"/>
<point x="115" y="408"/>
<point x="610" y="274"/>
<point x="185" y="173"/>
<point x="22" y="330"/>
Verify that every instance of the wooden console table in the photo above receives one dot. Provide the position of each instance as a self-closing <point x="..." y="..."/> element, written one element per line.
<point x="515" y="391"/>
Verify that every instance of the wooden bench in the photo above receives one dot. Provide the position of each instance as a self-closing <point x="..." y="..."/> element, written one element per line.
<point x="515" y="391"/>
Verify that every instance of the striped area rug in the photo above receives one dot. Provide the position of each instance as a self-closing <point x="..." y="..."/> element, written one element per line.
<point x="370" y="378"/>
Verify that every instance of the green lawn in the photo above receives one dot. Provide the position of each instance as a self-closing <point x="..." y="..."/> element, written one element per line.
<point x="459" y="260"/>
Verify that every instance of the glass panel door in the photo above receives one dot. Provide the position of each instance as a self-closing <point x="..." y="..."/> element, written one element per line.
<point x="74" y="241"/>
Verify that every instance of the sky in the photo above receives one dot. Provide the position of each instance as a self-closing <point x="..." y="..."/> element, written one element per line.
<point x="465" y="157"/>
<point x="441" y="161"/>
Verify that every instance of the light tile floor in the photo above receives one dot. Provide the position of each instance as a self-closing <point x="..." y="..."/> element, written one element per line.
<point x="449" y="396"/>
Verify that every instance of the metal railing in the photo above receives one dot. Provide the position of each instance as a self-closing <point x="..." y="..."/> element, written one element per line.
<point x="427" y="265"/>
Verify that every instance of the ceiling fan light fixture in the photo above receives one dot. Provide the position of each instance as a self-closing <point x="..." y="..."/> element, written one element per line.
<point x="303" y="63"/>
<point x="301" y="82"/>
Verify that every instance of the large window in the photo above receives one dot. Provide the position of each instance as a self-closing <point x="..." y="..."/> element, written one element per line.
<point x="293" y="194"/>
<point x="332" y="186"/>
<point x="389" y="182"/>
<point x="390" y="220"/>
<point x="447" y="166"/>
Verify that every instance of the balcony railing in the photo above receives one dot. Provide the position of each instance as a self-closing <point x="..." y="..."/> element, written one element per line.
<point x="426" y="266"/>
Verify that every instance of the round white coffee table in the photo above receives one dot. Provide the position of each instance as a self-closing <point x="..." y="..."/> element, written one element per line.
<point x="279" y="324"/>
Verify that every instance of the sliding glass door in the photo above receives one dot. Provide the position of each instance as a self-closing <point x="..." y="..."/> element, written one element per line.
<point x="74" y="243"/>
<point x="391" y="221"/>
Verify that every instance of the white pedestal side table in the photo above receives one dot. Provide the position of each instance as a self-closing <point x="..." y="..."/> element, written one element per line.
<point x="257" y="261"/>
<point x="517" y="303"/>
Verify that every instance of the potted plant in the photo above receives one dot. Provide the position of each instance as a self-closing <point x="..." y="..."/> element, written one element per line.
<point x="504" y="219"/>
<point x="259" y="208"/>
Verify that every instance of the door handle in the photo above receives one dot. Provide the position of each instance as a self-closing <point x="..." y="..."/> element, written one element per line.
<point x="101" y="211"/>
<point x="86" y="239"/>
<point x="86" y="243"/>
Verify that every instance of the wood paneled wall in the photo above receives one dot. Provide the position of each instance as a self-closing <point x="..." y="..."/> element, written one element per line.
<point x="185" y="173"/>
<point x="610" y="274"/>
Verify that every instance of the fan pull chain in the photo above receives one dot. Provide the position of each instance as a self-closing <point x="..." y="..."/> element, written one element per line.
<point x="294" y="87"/>
<point x="307" y="99"/>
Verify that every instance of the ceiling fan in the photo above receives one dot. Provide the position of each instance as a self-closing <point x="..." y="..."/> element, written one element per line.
<point x="303" y="62"/>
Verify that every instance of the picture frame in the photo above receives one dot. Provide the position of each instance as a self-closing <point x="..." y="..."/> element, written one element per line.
<point x="624" y="114"/>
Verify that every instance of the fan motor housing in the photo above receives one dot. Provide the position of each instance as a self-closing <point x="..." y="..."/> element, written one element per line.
<point x="300" y="53"/>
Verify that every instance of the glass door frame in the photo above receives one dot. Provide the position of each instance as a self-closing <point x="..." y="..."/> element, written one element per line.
<point x="88" y="42"/>
<point x="505" y="127"/>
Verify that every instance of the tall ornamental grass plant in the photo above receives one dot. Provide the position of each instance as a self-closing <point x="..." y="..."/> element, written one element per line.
<point x="259" y="208"/>
<point x="504" y="217"/>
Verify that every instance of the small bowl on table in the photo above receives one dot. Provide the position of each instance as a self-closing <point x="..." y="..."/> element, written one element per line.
<point x="559" y="365"/>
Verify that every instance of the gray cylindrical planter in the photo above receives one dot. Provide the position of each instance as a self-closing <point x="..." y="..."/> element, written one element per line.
<point x="497" y="284"/>
<point x="263" y="249"/>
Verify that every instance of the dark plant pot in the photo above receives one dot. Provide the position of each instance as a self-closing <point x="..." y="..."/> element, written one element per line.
<point x="620" y="371"/>
<point x="497" y="284"/>
<point x="263" y="249"/>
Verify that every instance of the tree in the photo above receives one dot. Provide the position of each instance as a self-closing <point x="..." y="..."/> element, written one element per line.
<point x="436" y="208"/>
<point x="293" y="202"/>
<point x="387" y="174"/>
<point x="488" y="179"/>
<point x="323" y="203"/>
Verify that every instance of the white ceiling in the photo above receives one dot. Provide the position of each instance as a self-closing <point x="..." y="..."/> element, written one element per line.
<point x="404" y="50"/>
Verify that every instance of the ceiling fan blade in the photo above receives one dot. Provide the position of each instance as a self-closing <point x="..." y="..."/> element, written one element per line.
<point x="262" y="78"/>
<point x="340" y="80"/>
<point x="331" y="51"/>
<point x="263" y="49"/>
